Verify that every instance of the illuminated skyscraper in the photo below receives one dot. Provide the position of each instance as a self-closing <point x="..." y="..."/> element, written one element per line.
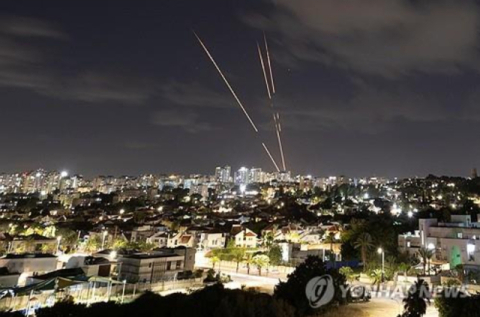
<point x="223" y="174"/>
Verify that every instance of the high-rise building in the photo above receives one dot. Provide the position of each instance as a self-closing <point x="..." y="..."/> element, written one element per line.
<point x="255" y="175"/>
<point x="223" y="174"/>
<point x="242" y="176"/>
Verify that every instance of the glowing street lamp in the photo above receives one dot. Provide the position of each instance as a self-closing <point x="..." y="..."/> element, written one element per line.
<point x="380" y="251"/>
<point x="113" y="255"/>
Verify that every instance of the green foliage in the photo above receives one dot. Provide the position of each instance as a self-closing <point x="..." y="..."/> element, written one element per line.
<point x="293" y="290"/>
<point x="415" y="304"/>
<point x="93" y="243"/>
<point x="426" y="255"/>
<point x="347" y="271"/>
<point x="453" y="303"/>
<point x="260" y="261"/>
<point x="275" y="254"/>
<point x="141" y="246"/>
<point x="210" y="301"/>
<point x="365" y="244"/>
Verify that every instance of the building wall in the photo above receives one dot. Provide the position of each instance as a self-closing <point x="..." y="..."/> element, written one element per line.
<point x="150" y="269"/>
<point x="29" y="265"/>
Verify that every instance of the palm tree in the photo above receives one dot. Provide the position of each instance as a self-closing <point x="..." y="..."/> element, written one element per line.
<point x="330" y="239"/>
<point x="215" y="260"/>
<point x="260" y="261"/>
<point x="415" y="304"/>
<point x="267" y="240"/>
<point x="238" y="254"/>
<point x="377" y="277"/>
<point x="404" y="267"/>
<point x="364" y="243"/>
<point x="426" y="255"/>
<point x="248" y="260"/>
<point x="392" y="267"/>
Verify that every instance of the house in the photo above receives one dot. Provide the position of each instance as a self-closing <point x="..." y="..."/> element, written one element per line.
<point x="453" y="243"/>
<point x="212" y="239"/>
<point x="159" y="239"/>
<point x="32" y="243"/>
<point x="244" y="237"/>
<point x="28" y="264"/>
<point x="182" y="239"/>
<point x="159" y="265"/>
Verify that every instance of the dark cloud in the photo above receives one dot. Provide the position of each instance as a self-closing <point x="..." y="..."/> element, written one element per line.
<point x="25" y="64"/>
<point x="194" y="94"/>
<point x="187" y="121"/>
<point x="369" y="110"/>
<point x="388" y="38"/>
<point x="28" y="27"/>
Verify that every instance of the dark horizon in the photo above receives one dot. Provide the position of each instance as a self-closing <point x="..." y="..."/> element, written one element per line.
<point x="385" y="89"/>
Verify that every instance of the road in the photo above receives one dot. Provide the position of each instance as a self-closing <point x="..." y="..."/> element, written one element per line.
<point x="377" y="306"/>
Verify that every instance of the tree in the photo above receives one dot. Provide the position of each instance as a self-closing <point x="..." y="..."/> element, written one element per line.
<point x="215" y="260"/>
<point x="347" y="271"/>
<point x="376" y="276"/>
<point x="248" y="260"/>
<point x="260" y="261"/>
<point x="415" y="304"/>
<point x="426" y="255"/>
<point x="293" y="290"/>
<point x="404" y="267"/>
<point x="275" y="254"/>
<point x="392" y="268"/>
<point x="93" y="243"/>
<point x="364" y="243"/>
<point x="119" y="243"/>
<point x="238" y="254"/>
<point x="267" y="240"/>
<point x="69" y="238"/>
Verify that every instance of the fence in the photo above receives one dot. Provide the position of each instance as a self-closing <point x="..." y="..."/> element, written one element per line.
<point x="232" y="266"/>
<point x="88" y="293"/>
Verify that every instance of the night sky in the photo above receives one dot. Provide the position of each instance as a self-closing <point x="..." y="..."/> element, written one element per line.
<point x="366" y="87"/>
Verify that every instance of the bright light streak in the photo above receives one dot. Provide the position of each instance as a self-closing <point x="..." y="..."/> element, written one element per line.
<point x="268" y="62"/>
<point x="280" y="145"/>
<point x="226" y="82"/>
<point x="271" y="157"/>
<point x="264" y="72"/>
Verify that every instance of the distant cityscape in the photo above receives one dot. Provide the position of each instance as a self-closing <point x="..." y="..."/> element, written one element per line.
<point x="61" y="182"/>
<point x="174" y="232"/>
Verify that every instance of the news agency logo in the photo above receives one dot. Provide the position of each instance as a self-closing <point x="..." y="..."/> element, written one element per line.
<point x="320" y="291"/>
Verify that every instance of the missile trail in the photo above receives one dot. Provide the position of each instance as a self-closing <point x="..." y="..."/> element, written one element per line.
<point x="276" y="116"/>
<point x="271" y="157"/>
<point x="226" y="82"/>
<point x="280" y="146"/>
<point x="235" y="95"/>
<point x="268" y="62"/>
<point x="264" y="72"/>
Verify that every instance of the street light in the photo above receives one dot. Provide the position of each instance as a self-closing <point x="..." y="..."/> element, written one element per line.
<point x="103" y="239"/>
<point x="380" y="251"/>
<point x="59" y="238"/>
<point x="123" y="291"/>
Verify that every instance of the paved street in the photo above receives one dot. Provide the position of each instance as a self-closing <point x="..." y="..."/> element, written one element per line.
<point x="377" y="306"/>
